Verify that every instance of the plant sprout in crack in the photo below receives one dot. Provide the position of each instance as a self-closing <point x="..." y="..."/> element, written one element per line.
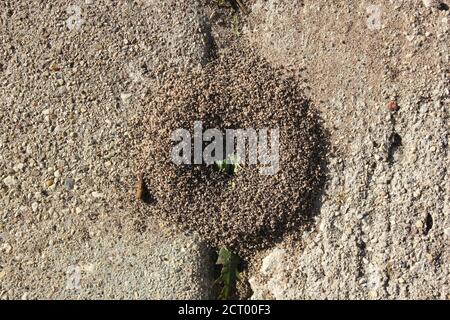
<point x="229" y="274"/>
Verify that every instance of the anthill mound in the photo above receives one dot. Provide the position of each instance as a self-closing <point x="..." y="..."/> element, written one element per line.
<point x="247" y="209"/>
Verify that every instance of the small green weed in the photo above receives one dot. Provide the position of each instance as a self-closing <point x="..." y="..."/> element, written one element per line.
<point x="230" y="165"/>
<point x="229" y="274"/>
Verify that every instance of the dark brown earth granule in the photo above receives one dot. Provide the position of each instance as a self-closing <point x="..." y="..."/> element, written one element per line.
<point x="248" y="210"/>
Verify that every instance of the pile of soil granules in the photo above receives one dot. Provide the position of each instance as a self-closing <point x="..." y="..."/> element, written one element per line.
<point x="246" y="210"/>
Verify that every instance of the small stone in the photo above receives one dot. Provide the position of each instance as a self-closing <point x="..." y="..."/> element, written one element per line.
<point x="18" y="167"/>
<point x="10" y="181"/>
<point x="69" y="183"/>
<point x="55" y="68"/>
<point x="392" y="106"/>
<point x="322" y="226"/>
<point x="78" y="210"/>
<point x="96" y="194"/>
<point x="6" y="248"/>
<point x="49" y="183"/>
<point x="272" y="261"/>
<point x="419" y="224"/>
<point x="34" y="206"/>
<point x="57" y="174"/>
<point x="89" y="2"/>
<point x="60" y="82"/>
<point x="447" y="232"/>
<point x="125" y="97"/>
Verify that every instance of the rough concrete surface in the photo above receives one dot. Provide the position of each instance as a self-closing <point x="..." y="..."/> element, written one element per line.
<point x="75" y="74"/>
<point x="68" y="86"/>
<point x="383" y="226"/>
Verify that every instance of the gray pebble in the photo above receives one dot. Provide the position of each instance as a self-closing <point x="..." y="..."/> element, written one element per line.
<point x="69" y="183"/>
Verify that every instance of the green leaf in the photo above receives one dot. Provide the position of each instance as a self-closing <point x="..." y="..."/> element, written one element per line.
<point x="229" y="274"/>
<point x="220" y="165"/>
<point x="230" y="165"/>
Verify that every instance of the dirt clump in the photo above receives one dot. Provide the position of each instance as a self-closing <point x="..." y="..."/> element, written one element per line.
<point x="246" y="210"/>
